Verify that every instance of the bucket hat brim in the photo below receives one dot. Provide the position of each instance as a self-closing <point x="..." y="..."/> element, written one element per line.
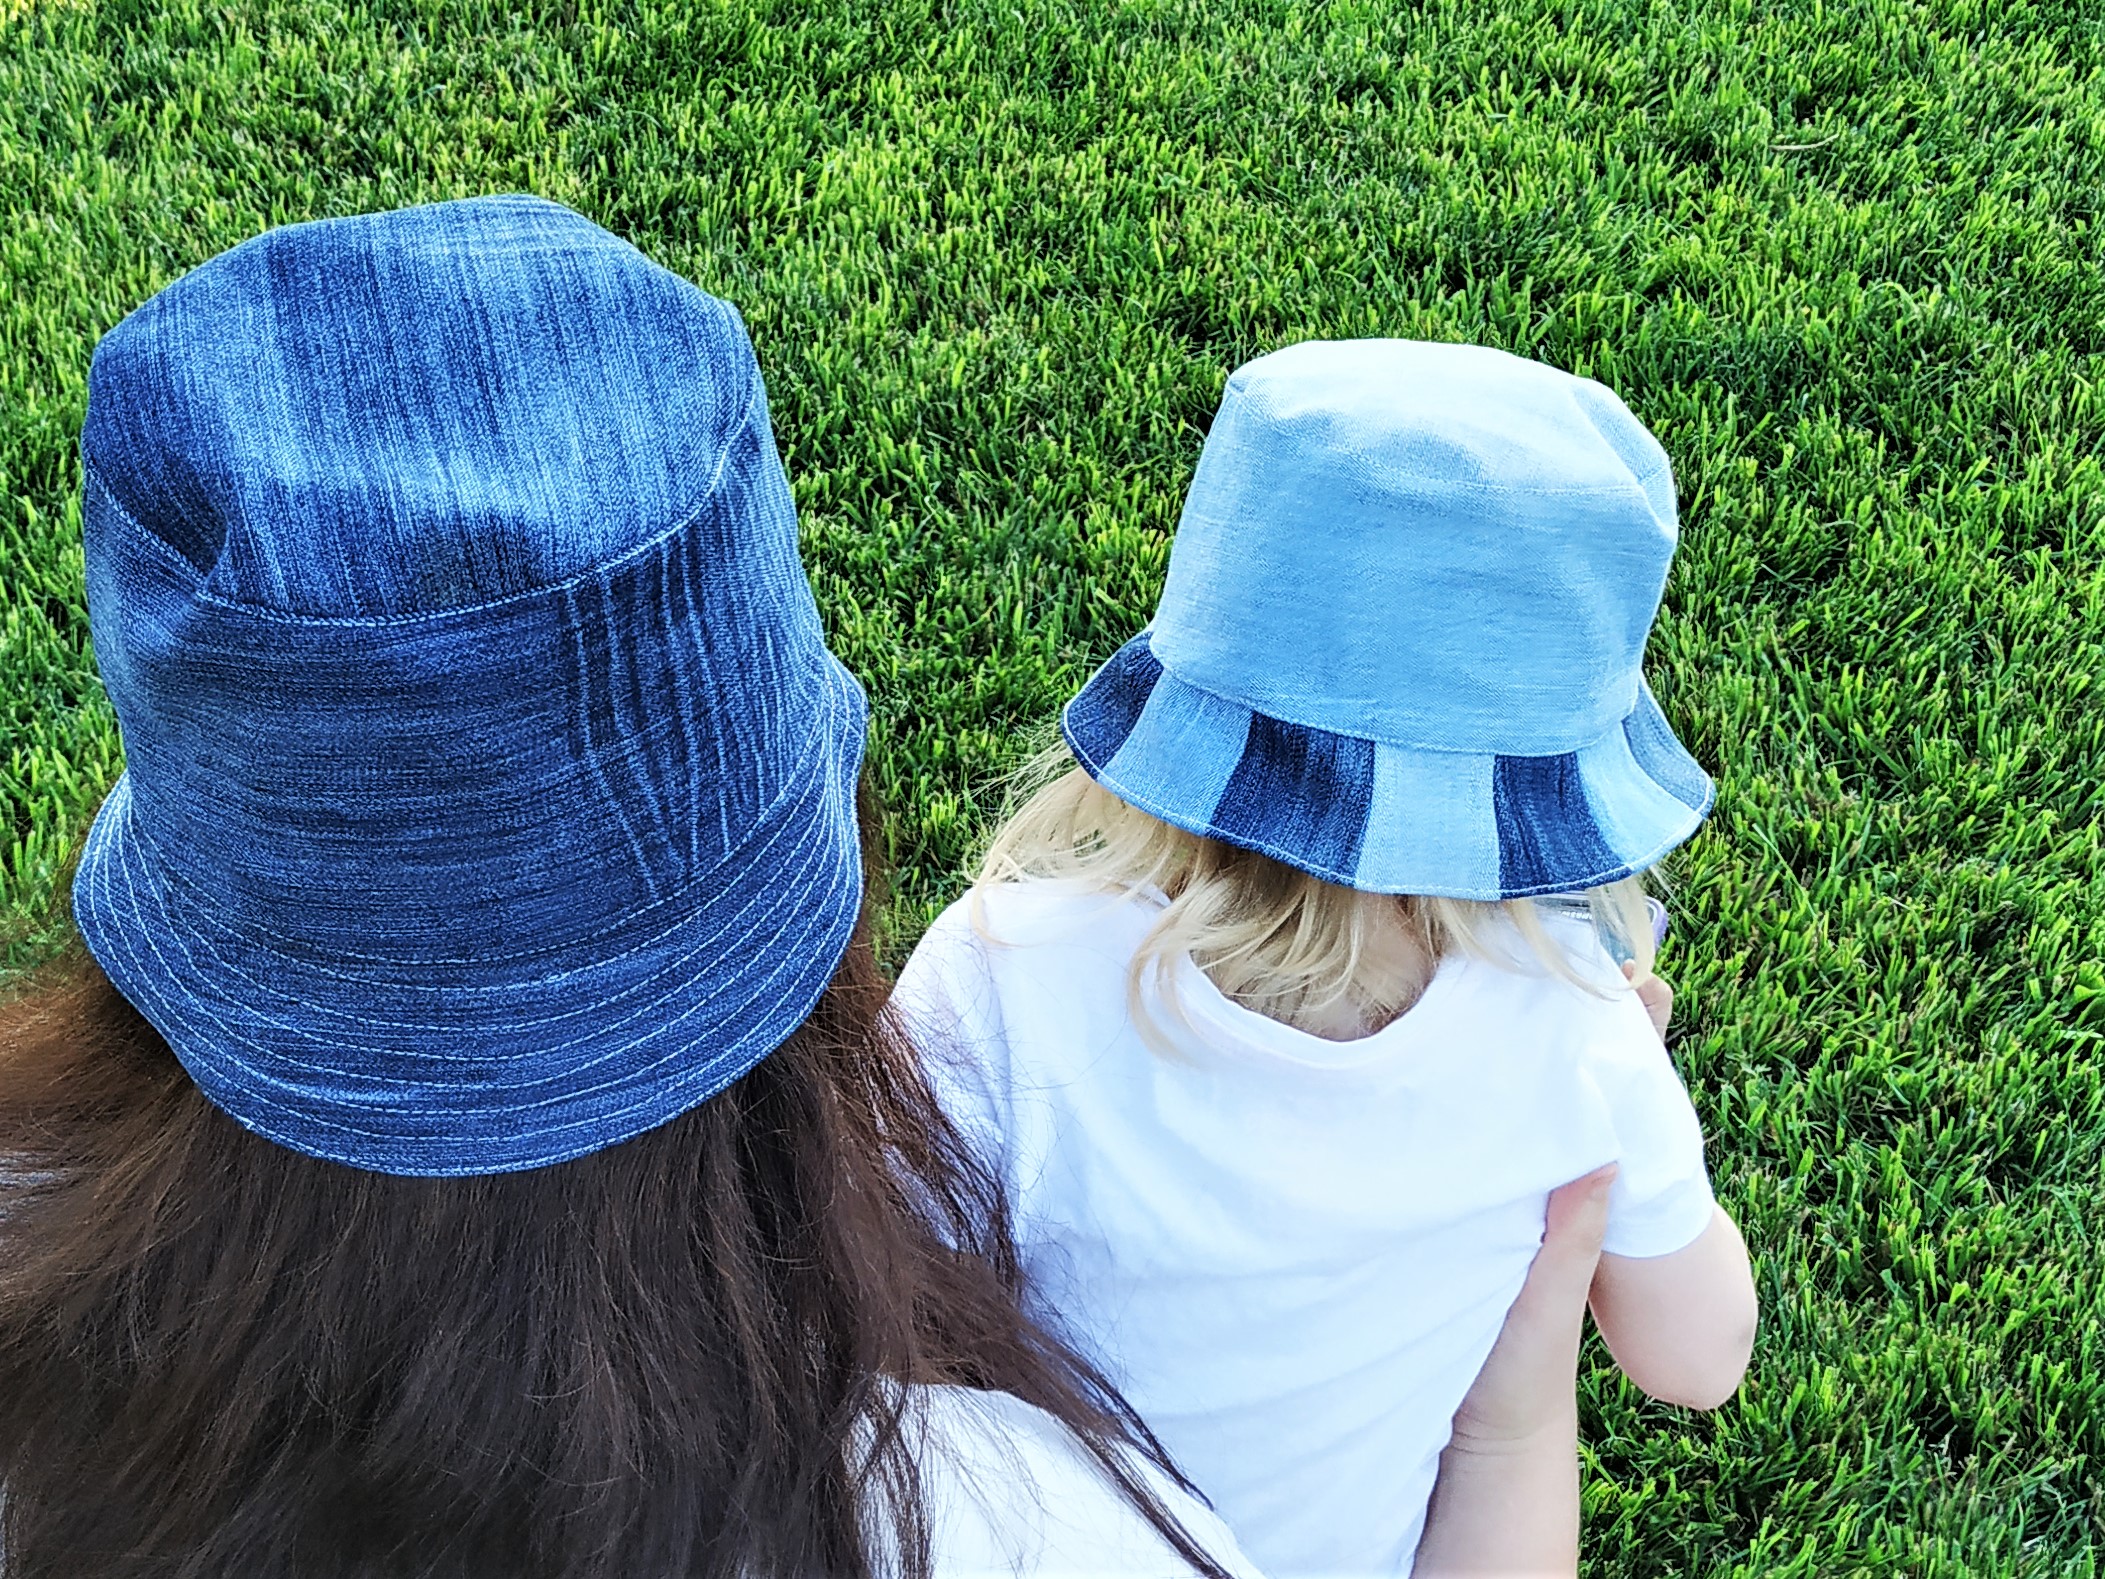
<point x="1379" y="816"/>
<point x="512" y="1063"/>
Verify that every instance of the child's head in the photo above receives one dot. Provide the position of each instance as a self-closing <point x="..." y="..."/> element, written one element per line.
<point x="1274" y="938"/>
<point x="1398" y="653"/>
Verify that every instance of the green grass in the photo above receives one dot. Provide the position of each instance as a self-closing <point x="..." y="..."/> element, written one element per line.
<point x="998" y="258"/>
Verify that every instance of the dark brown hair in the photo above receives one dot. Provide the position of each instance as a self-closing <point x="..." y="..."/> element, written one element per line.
<point x="675" y="1357"/>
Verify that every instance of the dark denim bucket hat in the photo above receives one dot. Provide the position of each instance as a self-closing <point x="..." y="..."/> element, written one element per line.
<point x="490" y="789"/>
<point x="1401" y="642"/>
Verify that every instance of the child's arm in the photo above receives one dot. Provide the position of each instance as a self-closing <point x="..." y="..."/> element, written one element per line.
<point x="1681" y="1325"/>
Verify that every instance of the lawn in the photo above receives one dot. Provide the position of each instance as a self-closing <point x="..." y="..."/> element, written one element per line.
<point x="997" y="259"/>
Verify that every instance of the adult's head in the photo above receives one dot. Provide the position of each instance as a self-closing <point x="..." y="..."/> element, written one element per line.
<point x="471" y="1140"/>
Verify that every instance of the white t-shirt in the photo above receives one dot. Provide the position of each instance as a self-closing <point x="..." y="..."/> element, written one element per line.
<point x="1012" y="1493"/>
<point x="1292" y="1254"/>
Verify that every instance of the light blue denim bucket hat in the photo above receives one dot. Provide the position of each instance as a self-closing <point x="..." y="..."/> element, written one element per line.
<point x="1400" y="642"/>
<point x="490" y="790"/>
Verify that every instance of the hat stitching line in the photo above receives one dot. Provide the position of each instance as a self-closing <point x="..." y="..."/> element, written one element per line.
<point x="732" y="919"/>
<point x="1372" y="740"/>
<point x="1620" y="490"/>
<point x="188" y="935"/>
<point x="209" y="900"/>
<point x="467" y="1071"/>
<point x="739" y="1046"/>
<point x="1189" y="824"/>
<point x="166" y="550"/>
<point x="783" y="942"/>
<point x="326" y="973"/>
<point x="1633" y="867"/>
<point x="834" y="693"/>
<point x="190" y="892"/>
<point x="203" y="593"/>
<point x="518" y="1154"/>
<point x="579" y="697"/>
<point x="1344" y="879"/>
<point x="724" y="922"/>
<point x="265" y="1075"/>
<point x="1470" y="485"/>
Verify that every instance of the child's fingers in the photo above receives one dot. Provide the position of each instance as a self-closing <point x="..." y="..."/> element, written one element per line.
<point x="1658" y="998"/>
<point x="1655" y="994"/>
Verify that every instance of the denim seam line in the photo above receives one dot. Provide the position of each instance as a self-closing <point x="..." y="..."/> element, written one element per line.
<point x="810" y="927"/>
<point x="160" y="546"/>
<point x="667" y="978"/>
<point x="1440" y="486"/>
<point x="1374" y="740"/>
<point x="425" y="616"/>
<point x="1205" y="828"/>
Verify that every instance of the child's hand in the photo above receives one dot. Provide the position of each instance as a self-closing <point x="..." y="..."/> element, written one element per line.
<point x="1655" y="995"/>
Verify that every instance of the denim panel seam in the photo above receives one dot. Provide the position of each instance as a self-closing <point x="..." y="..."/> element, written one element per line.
<point x="1204" y="827"/>
<point x="1429" y="487"/>
<point x="428" y="616"/>
<point x="1269" y="711"/>
<point x="756" y="904"/>
<point x="166" y="550"/>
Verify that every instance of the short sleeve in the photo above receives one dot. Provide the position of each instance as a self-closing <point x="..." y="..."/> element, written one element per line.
<point x="1661" y="1200"/>
<point x="947" y="1001"/>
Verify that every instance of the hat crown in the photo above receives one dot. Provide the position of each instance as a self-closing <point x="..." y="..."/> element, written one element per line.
<point x="1442" y="546"/>
<point x="416" y="411"/>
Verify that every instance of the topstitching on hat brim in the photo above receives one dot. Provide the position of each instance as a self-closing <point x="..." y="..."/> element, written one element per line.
<point x="1381" y="817"/>
<point x="445" y="1081"/>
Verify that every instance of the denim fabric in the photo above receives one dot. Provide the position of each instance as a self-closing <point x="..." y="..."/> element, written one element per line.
<point x="1449" y="556"/>
<point x="1544" y="824"/>
<point x="490" y="790"/>
<point x="1304" y="788"/>
<point x="1099" y="720"/>
<point x="1380" y="817"/>
<point x="1436" y="545"/>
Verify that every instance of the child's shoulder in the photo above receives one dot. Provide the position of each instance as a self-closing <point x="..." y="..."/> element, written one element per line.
<point x="1042" y="913"/>
<point x="1593" y="1005"/>
<point x="1010" y="960"/>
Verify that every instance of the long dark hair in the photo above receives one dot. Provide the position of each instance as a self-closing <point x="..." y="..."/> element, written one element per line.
<point x="676" y="1357"/>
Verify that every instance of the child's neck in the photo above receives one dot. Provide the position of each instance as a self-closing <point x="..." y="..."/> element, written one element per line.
<point x="1393" y="973"/>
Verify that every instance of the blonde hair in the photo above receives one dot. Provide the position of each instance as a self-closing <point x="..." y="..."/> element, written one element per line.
<point x="1309" y="953"/>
